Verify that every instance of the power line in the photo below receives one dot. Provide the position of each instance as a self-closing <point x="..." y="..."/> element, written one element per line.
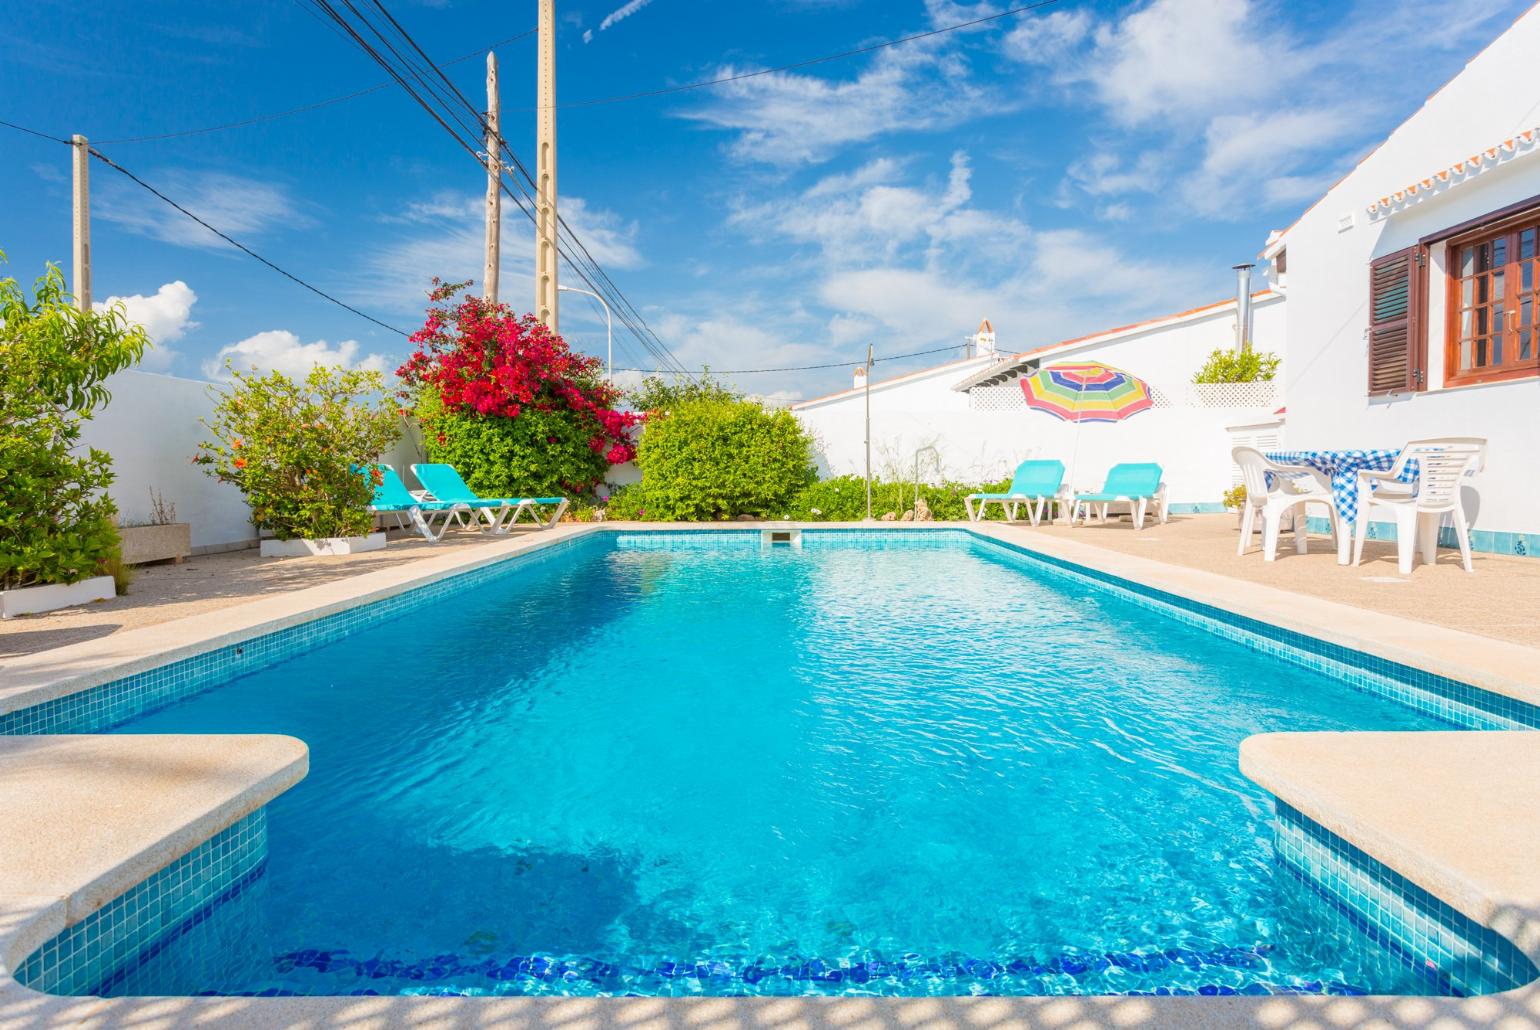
<point x="303" y="108"/>
<point x="110" y="163"/>
<point x="799" y="368"/>
<point x="445" y="95"/>
<point x="807" y="63"/>
<point x="237" y="244"/>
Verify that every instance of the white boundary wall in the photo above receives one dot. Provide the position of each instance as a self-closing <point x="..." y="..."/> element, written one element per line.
<point x="1329" y="251"/>
<point x="1192" y="443"/>
<point x="151" y="428"/>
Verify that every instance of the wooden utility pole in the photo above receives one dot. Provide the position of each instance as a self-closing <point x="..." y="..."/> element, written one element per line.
<point x="81" y="283"/>
<point x="494" y="186"/>
<point x="546" y="252"/>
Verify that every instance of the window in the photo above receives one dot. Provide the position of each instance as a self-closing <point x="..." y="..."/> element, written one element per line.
<point x="1494" y="300"/>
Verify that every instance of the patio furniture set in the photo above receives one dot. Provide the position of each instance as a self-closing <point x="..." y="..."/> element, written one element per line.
<point x="1417" y="486"/>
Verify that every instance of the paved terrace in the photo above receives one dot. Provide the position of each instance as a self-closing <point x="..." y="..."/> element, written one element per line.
<point x="1498" y="601"/>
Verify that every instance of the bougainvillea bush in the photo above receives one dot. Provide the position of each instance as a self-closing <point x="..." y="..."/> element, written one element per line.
<point x="507" y="402"/>
<point x="716" y="459"/>
<point x="294" y="448"/>
<point x="55" y="516"/>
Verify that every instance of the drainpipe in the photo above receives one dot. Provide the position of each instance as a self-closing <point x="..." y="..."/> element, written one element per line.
<point x="1243" y="307"/>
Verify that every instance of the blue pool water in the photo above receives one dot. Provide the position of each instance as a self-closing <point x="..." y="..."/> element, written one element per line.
<point x="671" y="765"/>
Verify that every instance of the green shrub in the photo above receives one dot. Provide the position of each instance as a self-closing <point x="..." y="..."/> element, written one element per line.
<point x="537" y="454"/>
<point x="55" y="516"/>
<point x="717" y="459"/>
<point x="294" y="448"/>
<point x="1230" y="366"/>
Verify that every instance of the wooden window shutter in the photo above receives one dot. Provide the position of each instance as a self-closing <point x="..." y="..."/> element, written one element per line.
<point x="1397" y="347"/>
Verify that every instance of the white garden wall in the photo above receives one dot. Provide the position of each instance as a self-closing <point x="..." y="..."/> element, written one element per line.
<point x="152" y="430"/>
<point x="1191" y="444"/>
<point x="1186" y="436"/>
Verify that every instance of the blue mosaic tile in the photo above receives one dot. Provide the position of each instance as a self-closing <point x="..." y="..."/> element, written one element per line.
<point x="1483" y="541"/>
<point x="1457" y="955"/>
<point x="107" y="947"/>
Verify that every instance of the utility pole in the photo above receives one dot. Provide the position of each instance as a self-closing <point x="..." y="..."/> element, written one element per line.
<point x="547" y="305"/>
<point x="82" y="264"/>
<point x="494" y="186"/>
<point x="868" y="378"/>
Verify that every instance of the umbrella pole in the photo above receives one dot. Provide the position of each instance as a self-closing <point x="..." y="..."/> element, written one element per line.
<point x="1074" y="453"/>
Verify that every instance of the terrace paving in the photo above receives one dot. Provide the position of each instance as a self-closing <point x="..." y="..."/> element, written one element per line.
<point x="207" y="583"/>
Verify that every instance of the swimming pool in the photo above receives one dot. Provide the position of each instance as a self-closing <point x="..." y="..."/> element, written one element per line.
<point x="915" y="763"/>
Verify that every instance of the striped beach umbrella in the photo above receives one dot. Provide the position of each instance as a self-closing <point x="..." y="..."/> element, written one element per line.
<point x="1088" y="392"/>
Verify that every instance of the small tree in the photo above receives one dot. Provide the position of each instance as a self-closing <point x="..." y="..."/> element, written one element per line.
<point x="294" y="449"/>
<point x="1238" y="366"/>
<point x="509" y="404"/>
<point x="660" y="394"/>
<point x="55" y="516"/>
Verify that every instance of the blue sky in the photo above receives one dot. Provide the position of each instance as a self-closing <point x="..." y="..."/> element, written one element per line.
<point x="1059" y="172"/>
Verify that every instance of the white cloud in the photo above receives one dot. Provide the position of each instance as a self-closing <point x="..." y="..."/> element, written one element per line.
<point x="786" y="119"/>
<point x="233" y="204"/>
<point x="622" y="12"/>
<point x="282" y="351"/>
<point x="165" y="315"/>
<point x="1218" y="103"/>
<point x="446" y="238"/>
<point x="1049" y="38"/>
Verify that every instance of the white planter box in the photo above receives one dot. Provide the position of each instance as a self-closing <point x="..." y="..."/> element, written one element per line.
<point x="332" y="545"/>
<point x="52" y="596"/>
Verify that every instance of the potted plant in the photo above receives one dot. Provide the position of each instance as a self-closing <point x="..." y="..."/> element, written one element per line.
<point x="159" y="538"/>
<point x="294" y="449"/>
<point x="56" y="534"/>
<point x="1234" y="499"/>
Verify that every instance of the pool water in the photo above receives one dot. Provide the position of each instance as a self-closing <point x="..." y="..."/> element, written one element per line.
<point x="683" y="764"/>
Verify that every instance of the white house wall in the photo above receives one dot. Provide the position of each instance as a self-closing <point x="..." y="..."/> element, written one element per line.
<point x="1328" y="273"/>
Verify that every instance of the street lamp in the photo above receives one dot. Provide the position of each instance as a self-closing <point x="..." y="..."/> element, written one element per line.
<point x="609" y="329"/>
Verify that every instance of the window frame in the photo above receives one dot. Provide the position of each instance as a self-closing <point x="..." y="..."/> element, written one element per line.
<point x="1508" y="222"/>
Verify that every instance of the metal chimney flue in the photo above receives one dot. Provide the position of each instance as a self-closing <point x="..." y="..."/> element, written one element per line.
<point x="1243" y="307"/>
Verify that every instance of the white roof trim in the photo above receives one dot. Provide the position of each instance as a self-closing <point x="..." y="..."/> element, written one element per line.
<point x="1445" y="179"/>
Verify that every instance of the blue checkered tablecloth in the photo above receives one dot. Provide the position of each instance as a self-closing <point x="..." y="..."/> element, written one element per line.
<point x="1342" y="468"/>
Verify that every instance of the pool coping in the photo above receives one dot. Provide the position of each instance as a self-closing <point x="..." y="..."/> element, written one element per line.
<point x="31" y="911"/>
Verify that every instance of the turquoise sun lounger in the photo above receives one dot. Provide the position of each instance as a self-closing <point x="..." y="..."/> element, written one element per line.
<point x="1137" y="483"/>
<point x="1035" y="484"/>
<point x="391" y="497"/>
<point x="500" y="513"/>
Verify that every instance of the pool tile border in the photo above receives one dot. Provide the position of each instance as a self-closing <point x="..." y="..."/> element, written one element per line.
<point x="1457" y="955"/>
<point x="109" y="945"/>
<point x="1458" y="704"/>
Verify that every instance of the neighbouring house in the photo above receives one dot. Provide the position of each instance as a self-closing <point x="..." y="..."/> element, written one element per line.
<point x="1413" y="289"/>
<point x="973" y="413"/>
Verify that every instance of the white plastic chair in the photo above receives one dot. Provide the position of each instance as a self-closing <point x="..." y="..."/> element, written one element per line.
<point x="1419" y="509"/>
<point x="1290" y="489"/>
